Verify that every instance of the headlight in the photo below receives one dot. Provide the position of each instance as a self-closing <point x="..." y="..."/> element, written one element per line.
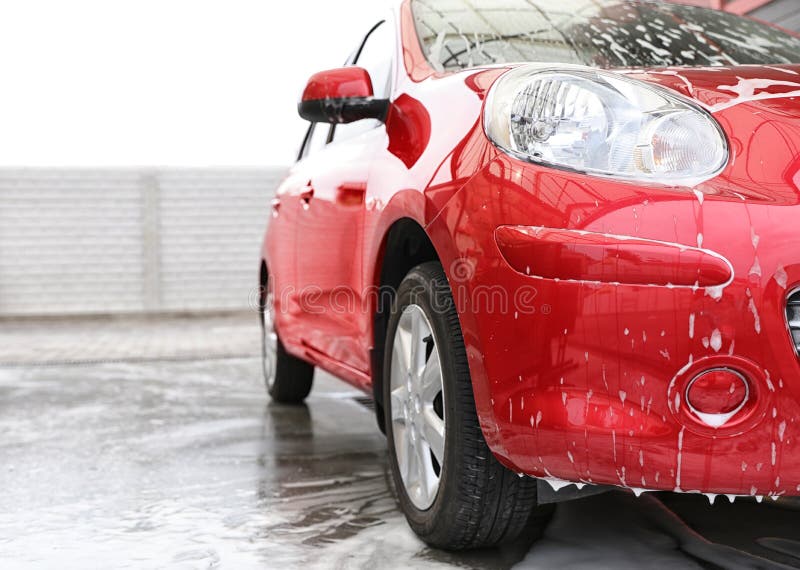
<point x="602" y="123"/>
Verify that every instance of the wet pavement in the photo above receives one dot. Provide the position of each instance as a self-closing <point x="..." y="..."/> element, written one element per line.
<point x="184" y="464"/>
<point x="128" y="338"/>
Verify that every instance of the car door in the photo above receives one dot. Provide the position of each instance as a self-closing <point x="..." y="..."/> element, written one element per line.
<point x="283" y="235"/>
<point x="330" y="221"/>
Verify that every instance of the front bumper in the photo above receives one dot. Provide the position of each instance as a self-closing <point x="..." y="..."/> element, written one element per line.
<point x="584" y="378"/>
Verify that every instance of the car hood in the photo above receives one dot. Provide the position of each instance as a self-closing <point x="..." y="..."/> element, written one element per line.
<point x="718" y="89"/>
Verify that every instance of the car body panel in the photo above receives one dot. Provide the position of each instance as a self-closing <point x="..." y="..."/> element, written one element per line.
<point x="331" y="220"/>
<point x="579" y="380"/>
<point x="579" y="373"/>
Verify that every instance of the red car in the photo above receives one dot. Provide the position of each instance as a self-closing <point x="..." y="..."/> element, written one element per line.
<point x="553" y="240"/>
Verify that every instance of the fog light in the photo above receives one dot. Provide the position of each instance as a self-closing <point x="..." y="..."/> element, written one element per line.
<point x="715" y="396"/>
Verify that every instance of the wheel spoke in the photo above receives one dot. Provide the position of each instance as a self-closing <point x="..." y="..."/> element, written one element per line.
<point x="402" y="350"/>
<point x="401" y="448"/>
<point x="411" y="470"/>
<point x="431" y="378"/>
<point x="398" y="396"/>
<point x="415" y="352"/>
<point x="423" y="467"/>
<point x="433" y="432"/>
<point x="400" y="360"/>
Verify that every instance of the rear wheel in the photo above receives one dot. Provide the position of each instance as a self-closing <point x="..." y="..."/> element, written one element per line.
<point x="288" y="379"/>
<point x="453" y="491"/>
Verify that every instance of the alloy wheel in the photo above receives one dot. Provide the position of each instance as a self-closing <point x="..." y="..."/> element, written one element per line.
<point x="270" y="339"/>
<point x="417" y="407"/>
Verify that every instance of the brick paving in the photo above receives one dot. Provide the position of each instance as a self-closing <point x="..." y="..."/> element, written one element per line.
<point x="131" y="338"/>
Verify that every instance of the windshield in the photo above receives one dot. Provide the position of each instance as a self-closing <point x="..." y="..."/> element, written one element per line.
<point x="456" y="34"/>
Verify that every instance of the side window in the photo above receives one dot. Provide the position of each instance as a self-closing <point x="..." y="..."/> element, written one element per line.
<point x="376" y="56"/>
<point x="316" y="138"/>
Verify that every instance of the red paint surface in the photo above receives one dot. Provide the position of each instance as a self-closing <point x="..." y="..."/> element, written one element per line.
<point x="588" y="256"/>
<point x="338" y="84"/>
<point x="588" y="382"/>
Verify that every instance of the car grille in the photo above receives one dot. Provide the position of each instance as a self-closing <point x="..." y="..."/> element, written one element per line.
<point x="793" y="318"/>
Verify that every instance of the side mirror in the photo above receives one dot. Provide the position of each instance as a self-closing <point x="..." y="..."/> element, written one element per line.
<point x="341" y="95"/>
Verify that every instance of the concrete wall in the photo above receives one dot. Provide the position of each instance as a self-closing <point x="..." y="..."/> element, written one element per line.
<point x="130" y="241"/>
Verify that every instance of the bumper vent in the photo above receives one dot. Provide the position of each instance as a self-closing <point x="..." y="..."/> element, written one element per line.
<point x="793" y="318"/>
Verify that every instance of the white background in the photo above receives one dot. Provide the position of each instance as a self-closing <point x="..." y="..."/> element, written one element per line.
<point x="165" y="82"/>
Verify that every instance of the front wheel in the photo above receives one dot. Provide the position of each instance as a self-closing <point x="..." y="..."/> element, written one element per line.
<point x="288" y="379"/>
<point x="453" y="491"/>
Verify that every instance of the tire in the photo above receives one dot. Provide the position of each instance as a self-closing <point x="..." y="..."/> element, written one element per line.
<point x="287" y="378"/>
<point x="478" y="502"/>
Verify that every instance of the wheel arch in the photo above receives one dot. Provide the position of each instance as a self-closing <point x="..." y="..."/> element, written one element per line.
<point x="405" y="245"/>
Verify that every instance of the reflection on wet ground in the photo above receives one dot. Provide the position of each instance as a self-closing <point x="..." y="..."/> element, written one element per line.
<point x="185" y="465"/>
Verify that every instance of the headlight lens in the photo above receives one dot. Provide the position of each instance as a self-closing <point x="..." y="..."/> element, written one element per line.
<point x="602" y="123"/>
